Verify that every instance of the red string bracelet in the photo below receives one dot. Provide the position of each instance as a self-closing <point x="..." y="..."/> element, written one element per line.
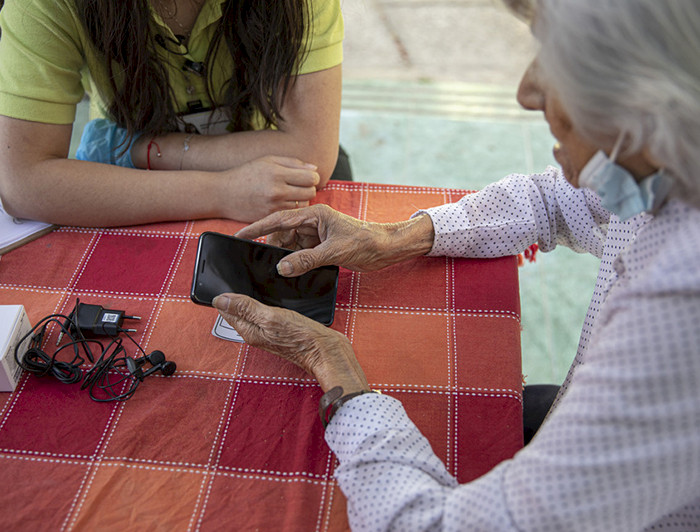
<point x="148" y="152"/>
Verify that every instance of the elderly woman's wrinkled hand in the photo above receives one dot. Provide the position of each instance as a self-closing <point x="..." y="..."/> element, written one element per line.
<point x="325" y="236"/>
<point x="320" y="351"/>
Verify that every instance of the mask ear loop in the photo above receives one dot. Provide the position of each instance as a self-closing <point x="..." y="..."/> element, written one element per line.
<point x="616" y="148"/>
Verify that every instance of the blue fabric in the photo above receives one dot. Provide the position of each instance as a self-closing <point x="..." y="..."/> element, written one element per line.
<point x="619" y="192"/>
<point x="105" y="142"/>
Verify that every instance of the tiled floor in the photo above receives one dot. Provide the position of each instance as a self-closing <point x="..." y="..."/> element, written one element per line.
<point x="466" y="136"/>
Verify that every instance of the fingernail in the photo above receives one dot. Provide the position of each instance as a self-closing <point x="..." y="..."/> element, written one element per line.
<point x="311" y="166"/>
<point x="221" y="302"/>
<point x="284" y="268"/>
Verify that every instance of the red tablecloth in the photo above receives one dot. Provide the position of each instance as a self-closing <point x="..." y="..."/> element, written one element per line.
<point x="233" y="441"/>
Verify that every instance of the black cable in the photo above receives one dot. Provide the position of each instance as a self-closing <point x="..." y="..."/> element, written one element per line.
<point x="99" y="378"/>
<point x="109" y="379"/>
<point x="35" y="360"/>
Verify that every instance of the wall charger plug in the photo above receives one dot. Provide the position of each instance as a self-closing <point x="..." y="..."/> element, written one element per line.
<point x="95" y="320"/>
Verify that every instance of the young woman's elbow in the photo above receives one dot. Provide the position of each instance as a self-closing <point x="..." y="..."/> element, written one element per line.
<point x="325" y="160"/>
<point x="10" y="203"/>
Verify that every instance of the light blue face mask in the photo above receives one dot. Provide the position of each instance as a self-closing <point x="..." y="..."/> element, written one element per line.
<point x="619" y="192"/>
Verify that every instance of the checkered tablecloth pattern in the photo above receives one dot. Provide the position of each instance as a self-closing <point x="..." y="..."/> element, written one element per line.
<point x="232" y="441"/>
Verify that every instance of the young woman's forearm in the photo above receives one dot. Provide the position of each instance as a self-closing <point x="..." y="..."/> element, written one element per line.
<point x="222" y="152"/>
<point x="70" y="192"/>
<point x="37" y="181"/>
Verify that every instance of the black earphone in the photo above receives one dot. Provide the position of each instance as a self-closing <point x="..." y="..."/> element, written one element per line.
<point x="157" y="361"/>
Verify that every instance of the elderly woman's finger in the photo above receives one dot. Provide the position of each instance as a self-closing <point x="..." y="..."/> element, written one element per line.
<point x="279" y="221"/>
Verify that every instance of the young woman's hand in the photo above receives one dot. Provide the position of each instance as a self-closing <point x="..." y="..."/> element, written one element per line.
<point x="325" y="236"/>
<point x="265" y="185"/>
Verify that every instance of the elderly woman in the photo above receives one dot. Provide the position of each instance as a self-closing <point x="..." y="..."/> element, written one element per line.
<point x="619" y="83"/>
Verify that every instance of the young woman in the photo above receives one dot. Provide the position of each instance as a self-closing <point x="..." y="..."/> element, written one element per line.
<point x="263" y="79"/>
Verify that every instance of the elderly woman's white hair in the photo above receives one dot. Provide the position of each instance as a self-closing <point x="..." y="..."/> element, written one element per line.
<point x="631" y="67"/>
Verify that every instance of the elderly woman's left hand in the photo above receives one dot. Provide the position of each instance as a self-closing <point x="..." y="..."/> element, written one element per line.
<point x="320" y="351"/>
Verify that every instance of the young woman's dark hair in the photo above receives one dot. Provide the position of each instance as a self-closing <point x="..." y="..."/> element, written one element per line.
<point x="264" y="40"/>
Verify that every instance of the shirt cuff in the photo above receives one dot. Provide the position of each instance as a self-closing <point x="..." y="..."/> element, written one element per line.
<point x="448" y="220"/>
<point x="361" y="418"/>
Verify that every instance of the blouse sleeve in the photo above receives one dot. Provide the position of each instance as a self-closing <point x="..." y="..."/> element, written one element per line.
<point x="508" y="216"/>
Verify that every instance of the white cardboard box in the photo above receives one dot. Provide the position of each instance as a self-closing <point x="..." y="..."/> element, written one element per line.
<point x="14" y="325"/>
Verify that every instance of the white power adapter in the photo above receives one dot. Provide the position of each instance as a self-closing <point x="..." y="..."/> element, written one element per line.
<point x="14" y="325"/>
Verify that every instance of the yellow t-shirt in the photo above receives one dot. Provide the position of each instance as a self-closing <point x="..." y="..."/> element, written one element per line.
<point x="47" y="63"/>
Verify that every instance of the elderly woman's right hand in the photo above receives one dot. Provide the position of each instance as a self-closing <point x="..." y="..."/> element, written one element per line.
<point x="325" y="236"/>
<point x="320" y="351"/>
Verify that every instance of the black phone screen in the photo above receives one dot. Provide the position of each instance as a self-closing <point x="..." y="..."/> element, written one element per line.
<point x="229" y="264"/>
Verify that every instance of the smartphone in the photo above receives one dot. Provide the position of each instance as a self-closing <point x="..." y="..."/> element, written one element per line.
<point x="229" y="264"/>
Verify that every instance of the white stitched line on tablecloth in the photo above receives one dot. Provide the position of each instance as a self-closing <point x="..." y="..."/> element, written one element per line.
<point x="356" y="276"/>
<point x="422" y="311"/>
<point x="291" y="381"/>
<point x="85" y="458"/>
<point x="449" y="362"/>
<point x="486" y="392"/>
<point x="347" y="322"/>
<point x="442" y="389"/>
<point x="232" y="402"/>
<point x="265" y="472"/>
<point x="71" y="283"/>
<point x="364" y="201"/>
<point x="431" y="309"/>
<point x="127" y="232"/>
<point x="355" y="296"/>
<point x="179" y="253"/>
<point x="99" y="449"/>
<point x="454" y="335"/>
<point x="123" y="295"/>
<point x="275" y="479"/>
<point x="331" y="484"/>
<point x="206" y="487"/>
<point x="278" y="476"/>
<point x="94" y="243"/>
<point x="208" y="468"/>
<point x="437" y="312"/>
<point x="513" y="395"/>
<point x="419" y="311"/>
<point x="279" y="381"/>
<point x="83" y="260"/>
<point x="41" y="459"/>
<point x="324" y="491"/>
<point x="185" y="299"/>
<point x="399" y="189"/>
